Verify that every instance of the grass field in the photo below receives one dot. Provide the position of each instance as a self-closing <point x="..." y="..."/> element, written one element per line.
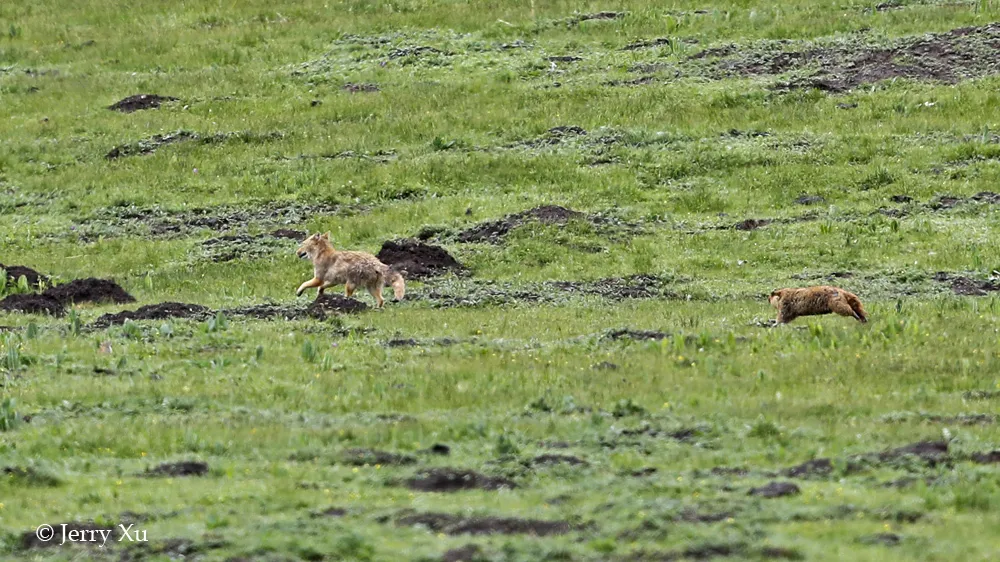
<point x="622" y="184"/>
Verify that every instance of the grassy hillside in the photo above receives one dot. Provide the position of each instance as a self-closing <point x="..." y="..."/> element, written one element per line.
<point x="598" y="377"/>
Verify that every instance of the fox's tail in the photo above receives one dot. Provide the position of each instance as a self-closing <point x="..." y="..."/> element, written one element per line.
<point x="855" y="304"/>
<point x="398" y="285"/>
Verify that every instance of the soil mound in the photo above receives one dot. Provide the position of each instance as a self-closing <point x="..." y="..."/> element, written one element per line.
<point x="32" y="304"/>
<point x="89" y="290"/>
<point x="161" y="311"/>
<point x="139" y="102"/>
<point x="417" y="260"/>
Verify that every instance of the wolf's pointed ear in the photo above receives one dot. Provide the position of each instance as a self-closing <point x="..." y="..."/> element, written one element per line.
<point x="326" y="236"/>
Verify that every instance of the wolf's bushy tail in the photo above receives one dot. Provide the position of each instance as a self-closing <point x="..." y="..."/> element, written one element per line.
<point x="398" y="285"/>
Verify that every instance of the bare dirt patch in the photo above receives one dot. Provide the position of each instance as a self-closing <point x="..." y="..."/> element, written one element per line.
<point x="32" y="304"/>
<point x="884" y="539"/>
<point x="949" y="57"/>
<point x="177" y="469"/>
<point x="494" y="231"/>
<point x="101" y="291"/>
<point x="965" y="286"/>
<point x="635" y="335"/>
<point x="161" y="311"/>
<point x="775" y="490"/>
<point x="153" y="143"/>
<point x="334" y="304"/>
<point x="550" y="459"/>
<point x="618" y="288"/>
<point x="992" y="457"/>
<point x="752" y="224"/>
<point x="459" y="525"/>
<point x="453" y="480"/>
<point x="815" y="467"/>
<point x="139" y="102"/>
<point x="15" y="272"/>
<point x="361" y="87"/>
<point x="246" y="246"/>
<point x="361" y="457"/>
<point x="467" y="553"/>
<point x="418" y="260"/>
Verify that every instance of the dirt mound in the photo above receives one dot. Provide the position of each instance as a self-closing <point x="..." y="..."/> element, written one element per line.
<point x="140" y="102"/>
<point x="361" y="457"/>
<point x="149" y="146"/>
<point x="558" y="459"/>
<point x="637" y="335"/>
<point x="931" y="452"/>
<point x="161" y="311"/>
<point x="967" y="287"/>
<point x="616" y="288"/>
<point x="806" y="199"/>
<point x="884" y="539"/>
<point x="184" y="468"/>
<point x="775" y="490"/>
<point x="439" y="449"/>
<point x="32" y="304"/>
<point x="86" y="532"/>
<point x="15" y="272"/>
<point x="690" y="515"/>
<point x="752" y="224"/>
<point x="992" y="457"/>
<point x="102" y="291"/>
<point x="289" y="234"/>
<point x="331" y="512"/>
<point x="453" y="480"/>
<point x="980" y="394"/>
<point x="458" y="525"/>
<point x="360" y="87"/>
<point x="493" y="232"/>
<point x="467" y="553"/>
<point x="417" y="260"/>
<point x="815" y="467"/>
<point x="949" y="57"/>
<point x="268" y="312"/>
<point x="334" y="304"/>
<point x="245" y="246"/>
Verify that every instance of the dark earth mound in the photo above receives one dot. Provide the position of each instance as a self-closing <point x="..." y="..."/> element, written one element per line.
<point x="453" y="480"/>
<point x="815" y="467"/>
<point x="149" y="146"/>
<point x="139" y="102"/>
<point x="417" y="260"/>
<point x="930" y="452"/>
<point x="992" y="457"/>
<point x="161" y="311"/>
<point x="884" y="539"/>
<point x="32" y="304"/>
<point x="15" y="272"/>
<point x="289" y="234"/>
<point x="101" y="291"/>
<point x="637" y="335"/>
<point x="360" y="87"/>
<point x="361" y="457"/>
<point x="493" y="232"/>
<point x="752" y="224"/>
<point x="637" y="286"/>
<point x="964" y="286"/>
<point x="333" y="304"/>
<point x="467" y="553"/>
<point x="775" y="490"/>
<point x="268" y="312"/>
<point x="558" y="459"/>
<point x="71" y="532"/>
<point x="331" y="512"/>
<point x="950" y="57"/>
<point x="439" y="449"/>
<point x="809" y="200"/>
<point x="980" y="394"/>
<point x="689" y="515"/>
<point x="458" y="525"/>
<point x="184" y="468"/>
<point x="246" y="246"/>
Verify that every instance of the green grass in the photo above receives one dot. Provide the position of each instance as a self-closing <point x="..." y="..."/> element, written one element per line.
<point x="459" y="133"/>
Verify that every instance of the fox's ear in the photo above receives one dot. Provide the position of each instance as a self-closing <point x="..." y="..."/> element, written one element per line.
<point x="315" y="236"/>
<point x="326" y="236"/>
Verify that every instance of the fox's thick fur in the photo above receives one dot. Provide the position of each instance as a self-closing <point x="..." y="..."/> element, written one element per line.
<point x="811" y="301"/>
<point x="353" y="269"/>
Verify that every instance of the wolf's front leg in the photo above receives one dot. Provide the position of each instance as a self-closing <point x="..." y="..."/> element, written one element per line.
<point x="314" y="282"/>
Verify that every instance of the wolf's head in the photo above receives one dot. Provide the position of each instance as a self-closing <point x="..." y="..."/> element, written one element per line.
<point x="312" y="246"/>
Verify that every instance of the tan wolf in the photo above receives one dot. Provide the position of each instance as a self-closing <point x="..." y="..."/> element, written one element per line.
<point x="811" y="301"/>
<point x="353" y="269"/>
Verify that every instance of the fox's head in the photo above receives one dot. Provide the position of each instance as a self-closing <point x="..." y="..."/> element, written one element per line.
<point x="776" y="296"/>
<point x="311" y="246"/>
